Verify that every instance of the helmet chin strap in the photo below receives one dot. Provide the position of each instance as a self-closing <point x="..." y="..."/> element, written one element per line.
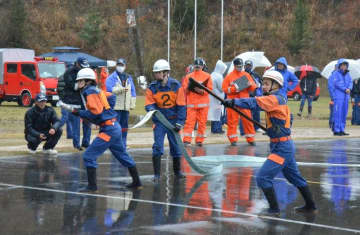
<point x="271" y="89"/>
<point x="164" y="78"/>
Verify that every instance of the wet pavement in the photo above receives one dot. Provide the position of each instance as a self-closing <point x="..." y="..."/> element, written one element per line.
<point x="38" y="195"/>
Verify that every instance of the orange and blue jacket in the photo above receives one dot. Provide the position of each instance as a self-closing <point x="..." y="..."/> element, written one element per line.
<point x="277" y="113"/>
<point x="193" y="99"/>
<point x="168" y="99"/>
<point x="229" y="88"/>
<point x="98" y="105"/>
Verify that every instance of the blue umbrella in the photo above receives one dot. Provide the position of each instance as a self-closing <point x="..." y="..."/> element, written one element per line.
<point x="69" y="55"/>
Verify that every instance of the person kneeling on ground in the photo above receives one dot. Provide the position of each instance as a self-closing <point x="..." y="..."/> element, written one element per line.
<point x="99" y="112"/>
<point x="282" y="156"/>
<point x="42" y="124"/>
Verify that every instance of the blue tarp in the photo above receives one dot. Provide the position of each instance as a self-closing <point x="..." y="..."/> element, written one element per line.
<point x="70" y="54"/>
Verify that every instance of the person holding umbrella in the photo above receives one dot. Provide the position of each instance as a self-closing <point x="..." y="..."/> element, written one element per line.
<point x="355" y="100"/>
<point x="308" y="90"/>
<point x="342" y="85"/>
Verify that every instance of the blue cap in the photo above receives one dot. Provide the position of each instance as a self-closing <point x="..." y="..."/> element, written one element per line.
<point x="40" y="97"/>
<point x="83" y="62"/>
<point x="121" y="61"/>
<point x="238" y="61"/>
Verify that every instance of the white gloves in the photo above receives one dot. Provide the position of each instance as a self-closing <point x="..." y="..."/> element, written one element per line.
<point x="68" y="107"/>
<point x="118" y="89"/>
<point x="132" y="103"/>
<point x="76" y="87"/>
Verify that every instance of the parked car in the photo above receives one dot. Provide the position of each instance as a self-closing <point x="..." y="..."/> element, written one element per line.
<point x="296" y="93"/>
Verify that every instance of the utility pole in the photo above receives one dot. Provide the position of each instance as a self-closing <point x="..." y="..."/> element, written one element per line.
<point x="222" y="31"/>
<point x="168" y="31"/>
<point x="134" y="37"/>
<point x="195" y="28"/>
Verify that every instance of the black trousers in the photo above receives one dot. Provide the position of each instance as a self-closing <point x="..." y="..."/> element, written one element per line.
<point x="51" y="141"/>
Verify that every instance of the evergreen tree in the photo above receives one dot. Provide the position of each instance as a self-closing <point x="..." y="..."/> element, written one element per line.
<point x="91" y="31"/>
<point x="300" y="33"/>
<point x="16" y="26"/>
<point x="183" y="17"/>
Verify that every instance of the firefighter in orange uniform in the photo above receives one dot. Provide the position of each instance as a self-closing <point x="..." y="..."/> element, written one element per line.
<point x="201" y="197"/>
<point x="103" y="75"/>
<point x="166" y="95"/>
<point x="238" y="84"/>
<point x="282" y="148"/>
<point x="197" y="103"/>
<point x="238" y="185"/>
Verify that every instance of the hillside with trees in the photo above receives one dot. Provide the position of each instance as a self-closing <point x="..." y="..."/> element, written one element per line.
<point x="305" y="31"/>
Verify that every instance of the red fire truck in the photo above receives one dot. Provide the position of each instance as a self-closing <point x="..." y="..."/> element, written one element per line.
<point x="23" y="76"/>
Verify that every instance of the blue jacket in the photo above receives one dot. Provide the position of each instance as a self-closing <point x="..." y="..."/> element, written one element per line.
<point x="168" y="99"/>
<point x="256" y="77"/>
<point x="98" y="105"/>
<point x="331" y="86"/>
<point x="288" y="77"/>
<point x="113" y="79"/>
<point x="341" y="81"/>
<point x="277" y="113"/>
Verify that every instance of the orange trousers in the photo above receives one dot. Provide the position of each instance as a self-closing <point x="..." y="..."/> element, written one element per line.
<point x="233" y="122"/>
<point x="199" y="116"/>
<point x="238" y="186"/>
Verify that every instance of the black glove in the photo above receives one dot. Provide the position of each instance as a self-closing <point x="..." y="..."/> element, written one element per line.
<point x="75" y="112"/>
<point x="229" y="103"/>
<point x="177" y="127"/>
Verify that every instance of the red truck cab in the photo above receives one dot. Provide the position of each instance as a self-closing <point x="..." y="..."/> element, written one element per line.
<point x="22" y="77"/>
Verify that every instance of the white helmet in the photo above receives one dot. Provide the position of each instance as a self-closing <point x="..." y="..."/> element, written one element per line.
<point x="161" y="65"/>
<point x="274" y="75"/>
<point x="86" y="73"/>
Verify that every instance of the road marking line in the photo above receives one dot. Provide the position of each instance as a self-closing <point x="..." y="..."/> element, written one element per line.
<point x="187" y="206"/>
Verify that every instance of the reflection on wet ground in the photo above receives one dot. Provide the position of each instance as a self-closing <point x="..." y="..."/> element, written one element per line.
<point x="38" y="195"/>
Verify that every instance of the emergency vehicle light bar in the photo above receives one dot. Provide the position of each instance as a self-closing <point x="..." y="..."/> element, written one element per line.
<point x="49" y="58"/>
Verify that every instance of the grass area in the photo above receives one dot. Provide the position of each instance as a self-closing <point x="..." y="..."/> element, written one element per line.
<point x="320" y="112"/>
<point x="12" y="117"/>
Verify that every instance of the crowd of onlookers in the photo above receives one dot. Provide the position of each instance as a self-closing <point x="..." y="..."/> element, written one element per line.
<point x="42" y="124"/>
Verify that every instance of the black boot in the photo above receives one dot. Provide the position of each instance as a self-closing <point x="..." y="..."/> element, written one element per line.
<point x="91" y="175"/>
<point x="309" y="206"/>
<point x="177" y="168"/>
<point x="156" y="160"/>
<point x="273" y="204"/>
<point x="309" y="111"/>
<point x="300" y="111"/>
<point x="136" y="184"/>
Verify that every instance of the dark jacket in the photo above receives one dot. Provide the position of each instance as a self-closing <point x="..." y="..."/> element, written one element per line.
<point x="66" y="87"/>
<point x="308" y="86"/>
<point x="355" y="91"/>
<point x="257" y="81"/>
<point x="40" y="121"/>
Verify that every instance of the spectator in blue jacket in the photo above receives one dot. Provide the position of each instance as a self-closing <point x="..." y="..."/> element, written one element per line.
<point x="331" y="104"/>
<point x="121" y="84"/>
<point x="249" y="68"/>
<point x="290" y="80"/>
<point x="342" y="83"/>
